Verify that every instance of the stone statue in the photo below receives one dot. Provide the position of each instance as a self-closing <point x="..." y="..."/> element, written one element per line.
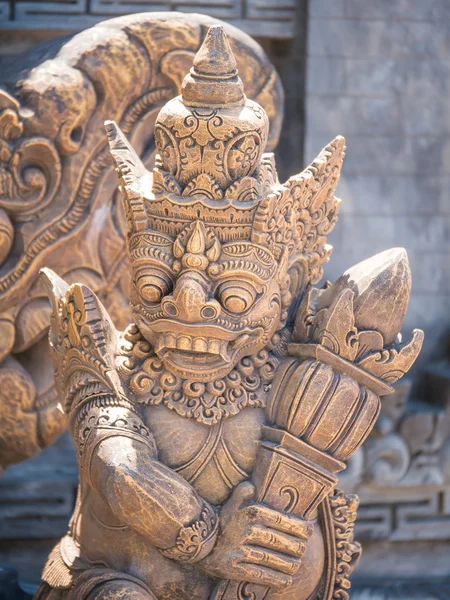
<point x="210" y="432"/>
<point x="58" y="202"/>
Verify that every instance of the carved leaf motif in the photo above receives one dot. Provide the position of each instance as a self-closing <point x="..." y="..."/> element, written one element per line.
<point x="336" y="327"/>
<point x="6" y="235"/>
<point x="304" y="320"/>
<point x="348" y="552"/>
<point x="330" y="317"/>
<point x="83" y="340"/>
<point x="204" y="185"/>
<point x="369" y="341"/>
<point x="10" y="125"/>
<point x="394" y="362"/>
<point x="30" y="178"/>
<point x="131" y="171"/>
<point x="164" y="182"/>
<point x="247" y="189"/>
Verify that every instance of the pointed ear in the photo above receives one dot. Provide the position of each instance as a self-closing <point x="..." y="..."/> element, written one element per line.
<point x="283" y="265"/>
<point x="129" y="166"/>
<point x="56" y="290"/>
<point x="133" y="176"/>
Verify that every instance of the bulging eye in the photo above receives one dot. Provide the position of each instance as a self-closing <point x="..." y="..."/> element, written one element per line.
<point x="152" y="287"/>
<point x="236" y="297"/>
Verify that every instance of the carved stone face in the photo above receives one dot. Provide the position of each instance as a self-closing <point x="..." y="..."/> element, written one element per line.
<point x="204" y="305"/>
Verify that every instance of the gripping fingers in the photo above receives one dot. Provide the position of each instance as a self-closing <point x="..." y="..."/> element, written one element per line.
<point x="264" y="576"/>
<point x="273" y="560"/>
<point x="275" y="519"/>
<point x="276" y="540"/>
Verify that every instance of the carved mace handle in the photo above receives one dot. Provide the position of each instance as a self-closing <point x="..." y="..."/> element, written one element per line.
<point x="325" y="398"/>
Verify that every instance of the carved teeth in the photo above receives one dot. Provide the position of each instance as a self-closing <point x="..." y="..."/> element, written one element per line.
<point x="170" y="340"/>
<point x="187" y="343"/>
<point x="184" y="343"/>
<point x="200" y="345"/>
<point x="214" y="346"/>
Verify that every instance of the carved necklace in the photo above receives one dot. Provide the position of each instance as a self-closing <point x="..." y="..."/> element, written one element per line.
<point x="208" y="403"/>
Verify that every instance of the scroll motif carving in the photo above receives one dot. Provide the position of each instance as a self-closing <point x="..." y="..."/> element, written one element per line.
<point x="343" y="509"/>
<point x="210" y="434"/>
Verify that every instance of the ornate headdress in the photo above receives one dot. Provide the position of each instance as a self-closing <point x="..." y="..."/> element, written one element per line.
<point x="211" y="167"/>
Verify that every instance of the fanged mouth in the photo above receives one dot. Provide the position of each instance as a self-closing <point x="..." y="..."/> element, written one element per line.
<point x="199" y="352"/>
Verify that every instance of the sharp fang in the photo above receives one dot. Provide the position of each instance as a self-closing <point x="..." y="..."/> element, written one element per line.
<point x="241" y="341"/>
<point x="224" y="351"/>
<point x="160" y="345"/>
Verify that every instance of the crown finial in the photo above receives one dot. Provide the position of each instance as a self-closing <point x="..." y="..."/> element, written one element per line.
<point x="211" y="136"/>
<point x="213" y="79"/>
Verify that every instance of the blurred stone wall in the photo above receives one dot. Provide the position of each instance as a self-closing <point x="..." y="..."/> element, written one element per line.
<point x="379" y="73"/>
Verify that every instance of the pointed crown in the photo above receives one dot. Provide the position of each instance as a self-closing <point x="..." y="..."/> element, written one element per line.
<point x="212" y="135"/>
<point x="211" y="168"/>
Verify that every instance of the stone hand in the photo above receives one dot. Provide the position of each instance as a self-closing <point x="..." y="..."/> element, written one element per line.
<point x="257" y="544"/>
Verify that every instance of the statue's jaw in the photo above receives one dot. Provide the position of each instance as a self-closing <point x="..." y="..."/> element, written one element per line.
<point x="196" y="354"/>
<point x="196" y="365"/>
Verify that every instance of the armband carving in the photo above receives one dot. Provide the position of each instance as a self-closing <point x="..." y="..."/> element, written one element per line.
<point x="102" y="417"/>
<point x="195" y="541"/>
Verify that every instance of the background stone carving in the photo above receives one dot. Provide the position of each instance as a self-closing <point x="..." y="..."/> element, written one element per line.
<point x="253" y="16"/>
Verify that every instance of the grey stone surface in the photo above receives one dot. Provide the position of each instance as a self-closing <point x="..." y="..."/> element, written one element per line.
<point x="421" y="10"/>
<point x="393" y="39"/>
<point x="379" y="73"/>
<point x="356" y="115"/>
<point x="394" y="561"/>
<point x="408" y="591"/>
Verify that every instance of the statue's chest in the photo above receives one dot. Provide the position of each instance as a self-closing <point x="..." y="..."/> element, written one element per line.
<point x="214" y="459"/>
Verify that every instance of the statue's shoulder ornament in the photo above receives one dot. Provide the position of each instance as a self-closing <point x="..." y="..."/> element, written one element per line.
<point x="84" y="343"/>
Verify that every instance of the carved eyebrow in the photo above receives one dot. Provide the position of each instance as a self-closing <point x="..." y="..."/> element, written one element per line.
<point x="244" y="248"/>
<point x="237" y="266"/>
<point x="147" y="238"/>
<point x="153" y="254"/>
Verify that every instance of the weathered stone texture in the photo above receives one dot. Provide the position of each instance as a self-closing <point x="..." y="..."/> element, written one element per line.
<point x="379" y="72"/>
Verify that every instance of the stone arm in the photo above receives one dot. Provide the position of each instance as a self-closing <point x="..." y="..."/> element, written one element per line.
<point x="117" y="456"/>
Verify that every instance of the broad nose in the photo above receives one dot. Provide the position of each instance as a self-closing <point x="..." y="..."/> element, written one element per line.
<point x="189" y="301"/>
